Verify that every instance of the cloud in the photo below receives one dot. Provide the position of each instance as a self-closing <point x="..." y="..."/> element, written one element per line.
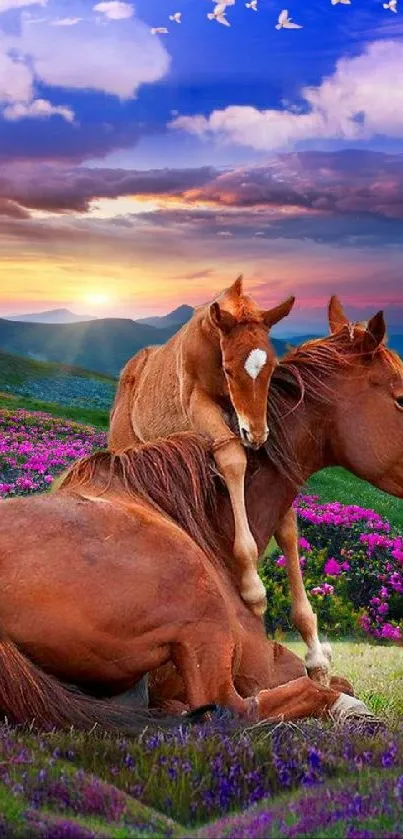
<point x="66" y="21"/>
<point x="16" y="80"/>
<point x="6" y="5"/>
<point x="12" y="210"/>
<point x="113" y="60"/>
<point x="115" y="9"/>
<point x="351" y="104"/>
<point x="65" y="188"/>
<point x="349" y="197"/>
<point x="37" y="108"/>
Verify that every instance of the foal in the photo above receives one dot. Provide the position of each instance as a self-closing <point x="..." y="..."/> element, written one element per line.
<point x="221" y="356"/>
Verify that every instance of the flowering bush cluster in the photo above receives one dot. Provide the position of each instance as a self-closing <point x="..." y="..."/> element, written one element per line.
<point x="352" y="565"/>
<point x="169" y="784"/>
<point x="35" y="447"/>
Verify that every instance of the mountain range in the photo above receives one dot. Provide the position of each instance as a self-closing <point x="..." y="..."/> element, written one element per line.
<point x="51" y="316"/>
<point x="104" y="345"/>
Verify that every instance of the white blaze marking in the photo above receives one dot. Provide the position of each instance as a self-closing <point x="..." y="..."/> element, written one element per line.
<point x="255" y="363"/>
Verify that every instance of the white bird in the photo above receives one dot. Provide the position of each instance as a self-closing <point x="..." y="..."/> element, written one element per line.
<point x="176" y="17"/>
<point x="344" y="2"/>
<point x="219" y="12"/>
<point x="284" y="22"/>
<point x="391" y="6"/>
<point x="159" y="30"/>
<point x="252" y="5"/>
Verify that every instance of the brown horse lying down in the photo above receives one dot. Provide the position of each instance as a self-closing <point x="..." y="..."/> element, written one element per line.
<point x="221" y="357"/>
<point x="120" y="571"/>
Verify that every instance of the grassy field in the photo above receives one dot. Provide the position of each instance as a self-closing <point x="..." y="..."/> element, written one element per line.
<point x="15" y="369"/>
<point x="375" y="671"/>
<point x="88" y="416"/>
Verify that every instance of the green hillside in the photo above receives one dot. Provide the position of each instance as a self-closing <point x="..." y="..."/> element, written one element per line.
<point x="58" y="389"/>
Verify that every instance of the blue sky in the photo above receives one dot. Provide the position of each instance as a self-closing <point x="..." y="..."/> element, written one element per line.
<point x="238" y="133"/>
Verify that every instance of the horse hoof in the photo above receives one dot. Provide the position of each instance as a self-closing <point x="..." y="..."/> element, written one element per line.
<point x="348" y="707"/>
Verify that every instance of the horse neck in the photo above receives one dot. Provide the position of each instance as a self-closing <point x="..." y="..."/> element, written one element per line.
<point x="269" y="494"/>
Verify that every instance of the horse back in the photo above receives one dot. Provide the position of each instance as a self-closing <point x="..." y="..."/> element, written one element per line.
<point x="149" y="400"/>
<point x="121" y="433"/>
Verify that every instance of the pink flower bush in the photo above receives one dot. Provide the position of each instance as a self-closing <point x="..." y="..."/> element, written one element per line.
<point x="34" y="448"/>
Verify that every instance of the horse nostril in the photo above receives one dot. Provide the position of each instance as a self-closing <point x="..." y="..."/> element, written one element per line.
<point x="244" y="435"/>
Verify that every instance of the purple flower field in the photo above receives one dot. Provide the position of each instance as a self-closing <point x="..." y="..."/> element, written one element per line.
<point x="306" y="780"/>
<point x="212" y="781"/>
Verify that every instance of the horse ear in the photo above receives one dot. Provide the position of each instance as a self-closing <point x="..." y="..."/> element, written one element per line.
<point x="236" y="288"/>
<point x="222" y="319"/>
<point x="273" y="316"/>
<point x="374" y="333"/>
<point x="337" y="315"/>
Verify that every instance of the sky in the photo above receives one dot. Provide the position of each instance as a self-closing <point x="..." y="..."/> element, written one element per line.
<point x="141" y="171"/>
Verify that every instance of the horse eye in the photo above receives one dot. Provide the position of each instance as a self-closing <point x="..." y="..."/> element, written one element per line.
<point x="399" y="402"/>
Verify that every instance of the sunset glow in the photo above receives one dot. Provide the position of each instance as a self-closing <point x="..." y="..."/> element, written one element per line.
<point x="134" y="180"/>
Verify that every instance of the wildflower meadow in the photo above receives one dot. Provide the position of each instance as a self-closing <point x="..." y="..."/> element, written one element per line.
<point x="217" y="780"/>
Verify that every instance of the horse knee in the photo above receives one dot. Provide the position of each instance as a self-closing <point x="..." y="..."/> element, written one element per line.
<point x="232" y="460"/>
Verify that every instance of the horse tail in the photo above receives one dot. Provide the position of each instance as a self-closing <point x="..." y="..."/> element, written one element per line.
<point x="28" y="696"/>
<point x="121" y="434"/>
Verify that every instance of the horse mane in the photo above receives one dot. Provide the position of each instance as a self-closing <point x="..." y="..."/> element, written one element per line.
<point x="176" y="476"/>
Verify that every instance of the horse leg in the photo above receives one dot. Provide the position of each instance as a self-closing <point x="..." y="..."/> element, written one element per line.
<point x="318" y="656"/>
<point x="231" y="460"/>
<point x="206" y="669"/>
<point x="304" y="698"/>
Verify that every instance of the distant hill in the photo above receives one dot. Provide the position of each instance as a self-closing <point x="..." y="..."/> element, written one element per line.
<point x="102" y="345"/>
<point x="51" y="316"/>
<point x="176" y="318"/>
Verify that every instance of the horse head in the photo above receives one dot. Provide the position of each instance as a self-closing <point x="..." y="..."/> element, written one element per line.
<point x="367" y="421"/>
<point x="248" y="357"/>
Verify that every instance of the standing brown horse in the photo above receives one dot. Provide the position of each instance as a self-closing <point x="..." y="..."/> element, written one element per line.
<point x="120" y="571"/>
<point x="222" y="356"/>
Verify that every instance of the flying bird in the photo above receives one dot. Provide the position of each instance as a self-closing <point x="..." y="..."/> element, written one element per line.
<point x="176" y="17"/>
<point x="219" y="12"/>
<point x="284" y="22"/>
<point x="159" y="30"/>
<point x="344" y="2"/>
<point x="391" y="6"/>
<point x="252" y="5"/>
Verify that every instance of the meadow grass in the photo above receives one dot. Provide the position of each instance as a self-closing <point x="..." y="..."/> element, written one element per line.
<point x="87" y="416"/>
<point x="375" y="671"/>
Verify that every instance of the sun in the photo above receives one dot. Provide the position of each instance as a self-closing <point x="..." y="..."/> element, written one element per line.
<point x="97" y="298"/>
